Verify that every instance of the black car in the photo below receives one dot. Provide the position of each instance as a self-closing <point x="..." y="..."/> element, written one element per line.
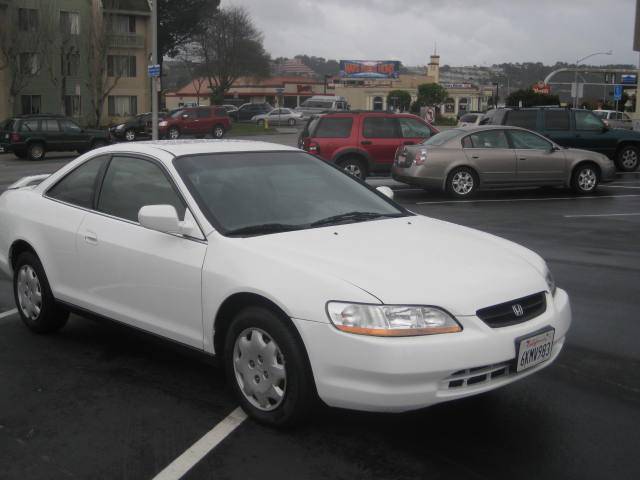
<point x="32" y="136"/>
<point x="132" y="129"/>
<point x="250" y="110"/>
<point x="574" y="128"/>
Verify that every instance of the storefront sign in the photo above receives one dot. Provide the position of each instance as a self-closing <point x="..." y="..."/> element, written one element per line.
<point x="304" y="88"/>
<point x="542" y="87"/>
<point x="369" y="69"/>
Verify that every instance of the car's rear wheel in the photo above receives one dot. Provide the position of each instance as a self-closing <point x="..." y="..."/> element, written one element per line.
<point x="585" y="179"/>
<point x="628" y="158"/>
<point x="267" y="368"/>
<point x="36" y="151"/>
<point x="292" y="122"/>
<point x="218" y="131"/>
<point x="130" y="135"/>
<point x="354" y="166"/>
<point x="462" y="182"/>
<point x="36" y="305"/>
<point x="174" y="133"/>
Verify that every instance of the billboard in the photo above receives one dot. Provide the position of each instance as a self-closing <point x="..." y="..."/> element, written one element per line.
<point x="369" y="69"/>
<point x="629" y="79"/>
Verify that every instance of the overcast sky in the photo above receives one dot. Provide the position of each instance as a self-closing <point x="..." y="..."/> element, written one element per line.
<point x="467" y="32"/>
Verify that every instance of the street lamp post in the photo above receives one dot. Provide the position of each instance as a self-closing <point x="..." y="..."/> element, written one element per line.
<point x="154" y="61"/>
<point x="575" y="74"/>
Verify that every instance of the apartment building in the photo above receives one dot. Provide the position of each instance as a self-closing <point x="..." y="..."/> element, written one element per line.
<point x="86" y="59"/>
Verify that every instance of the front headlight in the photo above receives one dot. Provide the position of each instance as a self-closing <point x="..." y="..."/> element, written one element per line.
<point x="551" y="282"/>
<point x="390" y="320"/>
<point x="120" y="127"/>
<point x="163" y="123"/>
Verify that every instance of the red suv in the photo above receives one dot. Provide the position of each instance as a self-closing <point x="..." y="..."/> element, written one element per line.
<point x="196" y="121"/>
<point x="362" y="142"/>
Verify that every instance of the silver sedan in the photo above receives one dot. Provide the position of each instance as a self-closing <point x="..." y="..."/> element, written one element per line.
<point x="462" y="160"/>
<point x="279" y="116"/>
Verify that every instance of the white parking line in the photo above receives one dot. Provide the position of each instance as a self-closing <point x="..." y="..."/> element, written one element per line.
<point x="618" y="186"/>
<point x="602" y="215"/>
<point x="181" y="465"/>
<point x="527" y="199"/>
<point x="8" y="314"/>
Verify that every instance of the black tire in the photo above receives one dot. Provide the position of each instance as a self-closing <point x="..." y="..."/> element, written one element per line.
<point x="585" y="179"/>
<point x="98" y="143"/>
<point x="130" y="135"/>
<point x="45" y="317"/>
<point x="36" y="151"/>
<point x="299" y="395"/>
<point x="218" y="131"/>
<point x="173" y="133"/>
<point x="354" y="166"/>
<point x="628" y="158"/>
<point x="462" y="182"/>
<point x="292" y="122"/>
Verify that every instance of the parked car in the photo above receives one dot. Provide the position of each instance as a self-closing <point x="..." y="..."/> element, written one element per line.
<point x="278" y="116"/>
<point x="279" y="264"/>
<point x="464" y="160"/>
<point x="32" y="136"/>
<point x="470" y="119"/>
<point x="362" y="142"/>
<point x="322" y="104"/>
<point x="574" y="128"/>
<point x="132" y="129"/>
<point x="249" y="110"/>
<point x="197" y="122"/>
<point x="230" y="108"/>
<point x="614" y="119"/>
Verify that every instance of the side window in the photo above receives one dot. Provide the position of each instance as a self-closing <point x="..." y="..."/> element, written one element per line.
<point x="556" y="120"/>
<point x="466" y="142"/>
<point x="30" y="126"/>
<point x="69" y="126"/>
<point x="528" y="141"/>
<point x="204" y="113"/>
<point x="381" y="127"/>
<point x="132" y="183"/>
<point x="489" y="139"/>
<point x="412" y="128"/>
<point x="50" y="126"/>
<point x="521" y="118"/>
<point x="587" y="121"/>
<point x="79" y="186"/>
<point x="334" y="128"/>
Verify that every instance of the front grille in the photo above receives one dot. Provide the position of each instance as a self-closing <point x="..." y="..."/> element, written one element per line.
<point x="506" y="314"/>
<point x="479" y="375"/>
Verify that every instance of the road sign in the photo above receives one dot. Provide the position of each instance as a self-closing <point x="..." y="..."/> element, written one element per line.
<point x="617" y="93"/>
<point x="154" y="70"/>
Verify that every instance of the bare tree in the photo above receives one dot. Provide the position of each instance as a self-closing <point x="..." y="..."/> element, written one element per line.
<point x="231" y="47"/>
<point x="192" y="65"/>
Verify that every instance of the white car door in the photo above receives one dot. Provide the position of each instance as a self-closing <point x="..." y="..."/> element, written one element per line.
<point x="145" y="278"/>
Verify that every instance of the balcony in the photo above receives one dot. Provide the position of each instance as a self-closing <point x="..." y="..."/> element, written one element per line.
<point x="123" y="40"/>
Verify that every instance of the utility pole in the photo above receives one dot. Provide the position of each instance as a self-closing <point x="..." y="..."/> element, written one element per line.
<point x="154" y="61"/>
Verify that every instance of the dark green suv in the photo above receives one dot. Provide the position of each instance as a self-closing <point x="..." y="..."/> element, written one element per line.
<point x="574" y="128"/>
<point x="32" y="136"/>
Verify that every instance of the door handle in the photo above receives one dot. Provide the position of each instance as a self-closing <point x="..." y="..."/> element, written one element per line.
<point x="366" y="142"/>
<point x="475" y="157"/>
<point x="522" y="158"/>
<point x="91" y="238"/>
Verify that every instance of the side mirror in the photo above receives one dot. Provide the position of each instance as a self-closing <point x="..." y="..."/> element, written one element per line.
<point x="386" y="191"/>
<point x="163" y="218"/>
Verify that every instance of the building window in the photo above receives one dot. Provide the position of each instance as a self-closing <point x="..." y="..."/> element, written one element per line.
<point x="29" y="63"/>
<point x="449" y="105"/>
<point x="28" y="20"/>
<point x="121" y="66"/>
<point x="72" y="105"/>
<point x="378" y="103"/>
<point x="70" y="23"/>
<point x="462" y="105"/>
<point x="122" y="24"/>
<point x="122" y="106"/>
<point x="31" y="104"/>
<point x="70" y="64"/>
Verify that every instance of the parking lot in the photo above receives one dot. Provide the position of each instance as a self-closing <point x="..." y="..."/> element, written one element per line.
<point x="102" y="401"/>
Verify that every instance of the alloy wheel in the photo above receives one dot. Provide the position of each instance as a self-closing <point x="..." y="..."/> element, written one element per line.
<point x="130" y="135"/>
<point x="587" y="179"/>
<point x="37" y="151"/>
<point x="259" y="367"/>
<point x="462" y="183"/>
<point x="218" y="132"/>
<point x="353" y="169"/>
<point x="629" y="158"/>
<point x="29" y="292"/>
<point x="174" y="134"/>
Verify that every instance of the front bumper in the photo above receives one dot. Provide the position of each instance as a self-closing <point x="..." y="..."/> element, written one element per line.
<point x="407" y="373"/>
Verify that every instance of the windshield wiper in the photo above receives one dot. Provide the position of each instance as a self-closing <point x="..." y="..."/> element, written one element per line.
<point x="353" y="216"/>
<point x="264" y="228"/>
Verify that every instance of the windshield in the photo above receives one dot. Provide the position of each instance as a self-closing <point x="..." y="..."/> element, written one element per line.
<point x="443" y="137"/>
<point x="277" y="191"/>
<point x="176" y="113"/>
<point x="316" y="104"/>
<point x="600" y="114"/>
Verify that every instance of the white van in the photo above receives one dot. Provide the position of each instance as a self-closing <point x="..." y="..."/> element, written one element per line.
<point x="322" y="103"/>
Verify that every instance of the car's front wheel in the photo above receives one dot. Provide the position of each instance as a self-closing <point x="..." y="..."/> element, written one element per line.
<point x="584" y="179"/>
<point x="267" y="367"/>
<point x="354" y="166"/>
<point x="218" y="131"/>
<point x="174" y="133"/>
<point x="462" y="182"/>
<point x="130" y="135"/>
<point x="628" y="158"/>
<point x="36" y="305"/>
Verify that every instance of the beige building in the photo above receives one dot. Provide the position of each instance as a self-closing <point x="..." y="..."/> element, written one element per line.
<point x="4" y="80"/>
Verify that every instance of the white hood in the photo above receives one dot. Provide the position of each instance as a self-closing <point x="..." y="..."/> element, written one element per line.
<point x="413" y="260"/>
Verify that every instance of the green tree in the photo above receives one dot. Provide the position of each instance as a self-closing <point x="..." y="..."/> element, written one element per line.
<point x="399" y="99"/>
<point x="179" y="24"/>
<point x="431" y="94"/>
<point x="529" y="98"/>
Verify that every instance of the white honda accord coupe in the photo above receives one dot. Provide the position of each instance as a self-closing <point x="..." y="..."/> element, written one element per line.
<point x="305" y="281"/>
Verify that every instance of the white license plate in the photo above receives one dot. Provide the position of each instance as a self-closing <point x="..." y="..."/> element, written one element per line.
<point x="1" y="150"/>
<point x="534" y="349"/>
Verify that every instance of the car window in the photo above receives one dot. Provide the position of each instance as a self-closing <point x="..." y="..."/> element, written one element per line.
<point x="522" y="118"/>
<point x="556" y="120"/>
<point x="203" y="112"/>
<point x="412" y="128"/>
<point x="285" y="111"/>
<point x="30" y="126"/>
<point x="587" y="121"/>
<point x="600" y="114"/>
<point x="469" y="118"/>
<point x="79" y="186"/>
<point x="443" y="137"/>
<point x="489" y="139"/>
<point x="176" y="114"/>
<point x="527" y="140"/>
<point x="132" y="183"/>
<point x="466" y="142"/>
<point x="333" y="128"/>
<point x="381" y="127"/>
<point x="50" y="125"/>
<point x="69" y="126"/>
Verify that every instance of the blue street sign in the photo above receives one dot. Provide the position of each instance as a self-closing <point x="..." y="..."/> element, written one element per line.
<point x="617" y="92"/>
<point x="154" y="70"/>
